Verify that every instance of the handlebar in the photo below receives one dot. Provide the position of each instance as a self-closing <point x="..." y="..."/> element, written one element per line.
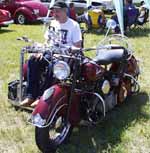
<point x="58" y="48"/>
<point x="71" y="49"/>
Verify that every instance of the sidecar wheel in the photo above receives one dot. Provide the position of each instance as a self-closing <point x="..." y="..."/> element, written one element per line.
<point x="49" y="138"/>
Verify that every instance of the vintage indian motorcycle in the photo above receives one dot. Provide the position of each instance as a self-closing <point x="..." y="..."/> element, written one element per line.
<point x="87" y="89"/>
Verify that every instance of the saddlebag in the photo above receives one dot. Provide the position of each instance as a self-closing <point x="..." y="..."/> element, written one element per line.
<point x="13" y="90"/>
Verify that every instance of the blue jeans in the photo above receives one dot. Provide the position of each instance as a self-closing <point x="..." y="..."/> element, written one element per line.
<point x="36" y="67"/>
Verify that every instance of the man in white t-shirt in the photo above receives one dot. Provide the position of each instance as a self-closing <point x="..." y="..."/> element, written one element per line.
<point x="70" y="34"/>
<point x="69" y="29"/>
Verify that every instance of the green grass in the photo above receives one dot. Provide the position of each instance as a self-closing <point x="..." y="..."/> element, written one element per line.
<point x="124" y="130"/>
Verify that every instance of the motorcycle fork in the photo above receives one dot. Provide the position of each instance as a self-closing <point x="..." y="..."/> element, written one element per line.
<point x="21" y="73"/>
<point x="72" y="89"/>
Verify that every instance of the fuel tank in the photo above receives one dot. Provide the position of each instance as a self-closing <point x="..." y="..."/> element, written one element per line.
<point x="91" y="71"/>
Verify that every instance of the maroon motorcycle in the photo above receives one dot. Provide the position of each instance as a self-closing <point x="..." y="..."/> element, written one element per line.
<point x="86" y="90"/>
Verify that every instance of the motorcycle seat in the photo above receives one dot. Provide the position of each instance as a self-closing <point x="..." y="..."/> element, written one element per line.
<point x="106" y="57"/>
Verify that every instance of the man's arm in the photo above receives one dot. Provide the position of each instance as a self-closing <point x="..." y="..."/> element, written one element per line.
<point x="78" y="44"/>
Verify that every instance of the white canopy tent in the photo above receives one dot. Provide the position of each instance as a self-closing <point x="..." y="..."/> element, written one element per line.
<point x="119" y="10"/>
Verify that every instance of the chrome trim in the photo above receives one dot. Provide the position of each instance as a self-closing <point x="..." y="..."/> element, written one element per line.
<point x="103" y="102"/>
<point x="131" y="77"/>
<point x="52" y="112"/>
<point x="8" y="22"/>
<point x="36" y="124"/>
<point x="64" y="132"/>
<point x="63" y="67"/>
<point x="21" y="73"/>
<point x="48" y="93"/>
<point x="36" y="11"/>
<point x="96" y="94"/>
<point x="105" y="87"/>
<point x="52" y="118"/>
<point x="41" y="18"/>
<point x="29" y="120"/>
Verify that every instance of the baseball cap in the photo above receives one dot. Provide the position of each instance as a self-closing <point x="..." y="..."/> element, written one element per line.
<point x="59" y="4"/>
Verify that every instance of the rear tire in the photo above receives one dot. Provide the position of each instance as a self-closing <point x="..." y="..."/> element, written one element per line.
<point x="48" y="139"/>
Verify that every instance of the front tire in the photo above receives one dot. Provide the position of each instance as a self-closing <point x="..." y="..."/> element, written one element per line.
<point x="49" y="138"/>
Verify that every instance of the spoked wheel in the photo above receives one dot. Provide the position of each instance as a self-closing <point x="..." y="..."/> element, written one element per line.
<point x="49" y="138"/>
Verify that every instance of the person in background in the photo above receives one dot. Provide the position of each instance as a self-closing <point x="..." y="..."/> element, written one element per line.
<point x="93" y="18"/>
<point x="143" y="13"/>
<point x="96" y="19"/>
<point x="128" y="5"/>
<point x="130" y="14"/>
<point x="71" y="11"/>
<point x="70" y="34"/>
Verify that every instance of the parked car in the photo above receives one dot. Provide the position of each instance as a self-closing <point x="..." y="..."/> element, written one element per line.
<point x="109" y="5"/>
<point x="80" y="5"/>
<point x="5" y="18"/>
<point x="24" y="11"/>
<point x="137" y="1"/>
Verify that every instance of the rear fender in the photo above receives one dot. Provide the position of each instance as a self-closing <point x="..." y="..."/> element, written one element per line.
<point x="27" y="12"/>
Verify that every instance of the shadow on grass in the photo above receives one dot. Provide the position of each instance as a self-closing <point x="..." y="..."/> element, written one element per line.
<point x="35" y="23"/>
<point x="139" y="31"/>
<point x="97" y="139"/>
<point x="2" y="30"/>
<point x="96" y="32"/>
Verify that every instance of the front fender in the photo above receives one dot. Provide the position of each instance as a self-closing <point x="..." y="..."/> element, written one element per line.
<point x="52" y="97"/>
<point x="26" y="11"/>
<point x="55" y="101"/>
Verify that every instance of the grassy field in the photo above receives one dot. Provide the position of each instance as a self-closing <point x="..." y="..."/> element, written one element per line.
<point x="126" y="129"/>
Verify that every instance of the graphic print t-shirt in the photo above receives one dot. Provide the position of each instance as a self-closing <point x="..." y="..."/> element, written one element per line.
<point x="69" y="31"/>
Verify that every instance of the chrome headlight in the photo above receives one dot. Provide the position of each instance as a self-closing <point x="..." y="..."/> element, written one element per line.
<point x="36" y="11"/>
<point x="61" y="70"/>
<point x="106" y="87"/>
